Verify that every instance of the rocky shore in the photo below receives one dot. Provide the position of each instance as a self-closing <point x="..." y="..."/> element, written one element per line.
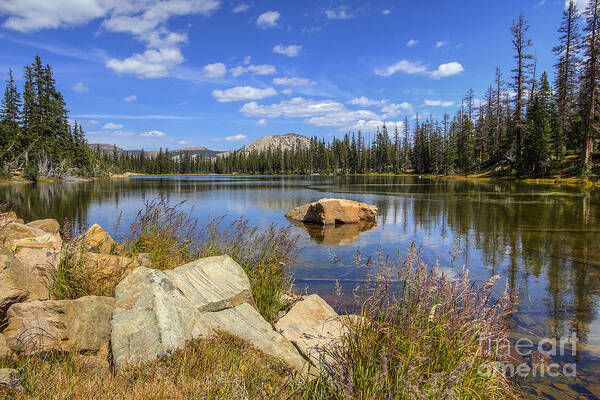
<point x="153" y="313"/>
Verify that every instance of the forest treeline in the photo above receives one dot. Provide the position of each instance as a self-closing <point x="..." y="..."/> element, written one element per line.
<point x="524" y="124"/>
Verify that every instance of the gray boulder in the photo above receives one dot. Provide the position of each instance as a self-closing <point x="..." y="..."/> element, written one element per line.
<point x="157" y="312"/>
<point x="66" y="325"/>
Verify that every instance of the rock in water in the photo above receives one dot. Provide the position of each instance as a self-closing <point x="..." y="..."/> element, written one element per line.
<point x="314" y="328"/>
<point x="66" y="325"/>
<point x="157" y="312"/>
<point x="333" y="211"/>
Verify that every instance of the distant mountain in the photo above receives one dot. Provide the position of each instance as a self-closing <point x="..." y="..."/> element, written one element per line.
<point x="193" y="151"/>
<point x="286" y="142"/>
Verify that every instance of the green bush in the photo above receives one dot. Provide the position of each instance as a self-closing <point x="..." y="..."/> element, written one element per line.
<point x="31" y="172"/>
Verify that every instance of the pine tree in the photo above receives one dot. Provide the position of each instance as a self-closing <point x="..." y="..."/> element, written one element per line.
<point x="521" y="44"/>
<point x="589" y="87"/>
<point x="10" y="114"/>
<point x="567" y="52"/>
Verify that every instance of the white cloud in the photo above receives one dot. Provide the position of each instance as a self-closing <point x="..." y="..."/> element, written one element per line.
<point x="241" y="8"/>
<point x="294" y="81"/>
<point x="365" y="102"/>
<point x="112" y="126"/>
<point x="80" y="88"/>
<point x="290" y="51"/>
<point x="393" y="109"/>
<point x="111" y="133"/>
<point x="268" y="19"/>
<point x="183" y="142"/>
<point x="235" y="138"/>
<point x="261" y="122"/>
<point x="338" y="13"/>
<point x="297" y="107"/>
<point x="242" y="93"/>
<point x="386" y="12"/>
<point x="93" y="122"/>
<point x="408" y="67"/>
<point x="448" y="69"/>
<point x="581" y="4"/>
<point x="372" y="125"/>
<point x="412" y="42"/>
<point x="247" y="60"/>
<point x="214" y="71"/>
<point x="265" y="69"/>
<point x="439" y="103"/>
<point x="441" y="43"/>
<point x="153" y="134"/>
<point x="287" y="91"/>
<point x="130" y="98"/>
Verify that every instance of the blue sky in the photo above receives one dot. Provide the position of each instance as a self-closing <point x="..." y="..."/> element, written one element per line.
<point x="219" y="73"/>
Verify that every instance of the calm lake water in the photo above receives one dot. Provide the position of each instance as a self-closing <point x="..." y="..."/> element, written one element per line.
<point x="542" y="239"/>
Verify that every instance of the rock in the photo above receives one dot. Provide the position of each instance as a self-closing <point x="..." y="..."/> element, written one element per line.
<point x="157" y="312"/>
<point x="66" y="325"/>
<point x="15" y="230"/>
<point x="333" y="211"/>
<point x="4" y="349"/>
<point x="9" y="378"/>
<point x="97" y="240"/>
<point x="335" y="235"/>
<point x="8" y="217"/>
<point x="314" y="328"/>
<point x="40" y="264"/>
<point x="47" y="225"/>
<point x="108" y="265"/>
<point x="19" y="281"/>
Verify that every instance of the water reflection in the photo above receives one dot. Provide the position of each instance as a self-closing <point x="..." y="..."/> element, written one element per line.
<point x="336" y="234"/>
<point x="543" y="239"/>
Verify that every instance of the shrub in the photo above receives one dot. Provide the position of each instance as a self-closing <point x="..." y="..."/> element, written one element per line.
<point x="420" y="335"/>
<point x="30" y="172"/>
<point x="172" y="237"/>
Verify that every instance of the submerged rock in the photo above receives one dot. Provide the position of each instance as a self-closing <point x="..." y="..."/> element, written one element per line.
<point x="66" y="325"/>
<point x="157" y="312"/>
<point x="333" y="211"/>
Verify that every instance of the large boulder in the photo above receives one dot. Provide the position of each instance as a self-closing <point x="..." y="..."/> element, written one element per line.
<point x="157" y="312"/>
<point x="314" y="328"/>
<point x="14" y="231"/>
<point x="97" y="240"/>
<point x="333" y="211"/>
<point x="109" y="265"/>
<point x="4" y="349"/>
<point x="21" y="281"/>
<point x="47" y="225"/>
<point x="65" y="325"/>
<point x="8" y="217"/>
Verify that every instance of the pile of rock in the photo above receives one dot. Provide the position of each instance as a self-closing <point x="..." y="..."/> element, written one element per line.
<point x="153" y="312"/>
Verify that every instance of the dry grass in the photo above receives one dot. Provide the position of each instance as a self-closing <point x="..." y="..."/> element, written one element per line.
<point x="220" y="368"/>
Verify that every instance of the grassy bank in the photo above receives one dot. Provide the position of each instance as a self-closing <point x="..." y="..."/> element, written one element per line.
<point x="418" y="335"/>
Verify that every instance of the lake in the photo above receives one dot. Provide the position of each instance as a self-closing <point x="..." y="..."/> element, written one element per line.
<point x="542" y="239"/>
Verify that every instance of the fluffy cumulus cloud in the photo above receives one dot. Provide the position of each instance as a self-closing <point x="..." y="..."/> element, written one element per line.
<point x="445" y="70"/>
<point x="338" y="13"/>
<point x="287" y="91"/>
<point x="268" y="19"/>
<point x="387" y="11"/>
<point x="318" y="112"/>
<point x="365" y="102"/>
<point x="242" y="93"/>
<point x="441" y="43"/>
<point x="290" y="51"/>
<point x="146" y="20"/>
<point x="408" y="67"/>
<point x="80" y="88"/>
<point x="153" y="134"/>
<point x="261" y="122"/>
<point x="294" y="81"/>
<point x="372" y="125"/>
<point x="439" y="103"/>
<point x="130" y="98"/>
<point x="112" y="126"/>
<point x="412" y="42"/>
<point x="234" y="138"/>
<point x="416" y="67"/>
<point x="214" y="71"/>
<point x="265" y="69"/>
